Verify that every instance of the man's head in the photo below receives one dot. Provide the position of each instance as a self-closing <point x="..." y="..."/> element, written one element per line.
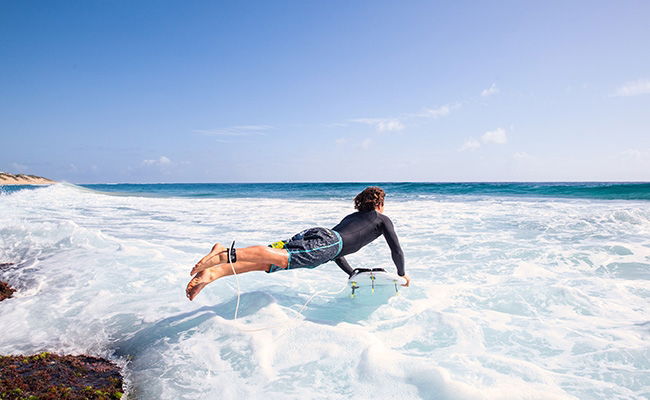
<point x="371" y="198"/>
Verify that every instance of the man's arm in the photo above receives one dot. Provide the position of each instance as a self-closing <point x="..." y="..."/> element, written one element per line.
<point x="395" y="249"/>
<point x="343" y="264"/>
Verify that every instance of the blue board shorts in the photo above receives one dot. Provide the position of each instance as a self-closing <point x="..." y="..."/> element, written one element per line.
<point x="310" y="248"/>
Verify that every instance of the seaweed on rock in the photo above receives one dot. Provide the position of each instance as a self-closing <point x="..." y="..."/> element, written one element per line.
<point x="47" y="376"/>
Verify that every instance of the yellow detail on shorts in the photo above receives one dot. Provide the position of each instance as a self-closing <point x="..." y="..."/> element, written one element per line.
<point x="278" y="245"/>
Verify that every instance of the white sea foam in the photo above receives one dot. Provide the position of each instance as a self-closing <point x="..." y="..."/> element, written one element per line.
<point x="510" y="300"/>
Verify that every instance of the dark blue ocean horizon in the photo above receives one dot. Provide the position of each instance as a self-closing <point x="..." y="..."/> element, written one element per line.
<point x="394" y="190"/>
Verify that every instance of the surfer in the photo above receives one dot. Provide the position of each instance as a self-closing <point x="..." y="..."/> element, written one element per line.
<point x="307" y="249"/>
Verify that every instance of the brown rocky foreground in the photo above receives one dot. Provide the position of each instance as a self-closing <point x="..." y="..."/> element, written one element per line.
<point x="5" y="292"/>
<point x="22" y="179"/>
<point x="47" y="376"/>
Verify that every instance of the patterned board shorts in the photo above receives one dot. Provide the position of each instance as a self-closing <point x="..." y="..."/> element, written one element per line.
<point x="310" y="248"/>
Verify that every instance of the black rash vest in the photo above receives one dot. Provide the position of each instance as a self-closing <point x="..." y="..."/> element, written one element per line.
<point x="362" y="227"/>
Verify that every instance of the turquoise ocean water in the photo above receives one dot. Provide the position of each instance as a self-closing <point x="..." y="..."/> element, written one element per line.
<point x="520" y="290"/>
<point x="400" y="191"/>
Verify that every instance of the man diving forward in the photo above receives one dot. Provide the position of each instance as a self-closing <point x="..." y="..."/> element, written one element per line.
<point x="307" y="249"/>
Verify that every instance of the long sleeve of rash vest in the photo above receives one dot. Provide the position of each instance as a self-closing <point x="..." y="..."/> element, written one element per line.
<point x="395" y="249"/>
<point x="343" y="264"/>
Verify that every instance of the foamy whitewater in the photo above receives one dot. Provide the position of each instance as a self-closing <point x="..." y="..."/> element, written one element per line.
<point x="511" y="298"/>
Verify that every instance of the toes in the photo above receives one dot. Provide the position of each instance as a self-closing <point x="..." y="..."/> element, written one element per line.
<point x="195" y="290"/>
<point x="191" y="292"/>
<point x="191" y="285"/>
<point x="195" y="269"/>
<point x="196" y="285"/>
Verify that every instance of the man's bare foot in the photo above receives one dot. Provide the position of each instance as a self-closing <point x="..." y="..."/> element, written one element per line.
<point x="216" y="256"/>
<point x="201" y="279"/>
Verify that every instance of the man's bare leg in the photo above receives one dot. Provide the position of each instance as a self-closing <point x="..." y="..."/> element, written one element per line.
<point x="256" y="254"/>
<point x="209" y="275"/>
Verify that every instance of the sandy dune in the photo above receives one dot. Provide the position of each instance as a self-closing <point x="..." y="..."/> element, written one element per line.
<point x="22" y="179"/>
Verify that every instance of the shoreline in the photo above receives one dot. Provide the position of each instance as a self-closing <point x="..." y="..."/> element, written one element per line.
<point x="23" y="179"/>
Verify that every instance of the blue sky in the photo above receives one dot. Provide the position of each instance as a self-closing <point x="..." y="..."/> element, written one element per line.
<point x="208" y="91"/>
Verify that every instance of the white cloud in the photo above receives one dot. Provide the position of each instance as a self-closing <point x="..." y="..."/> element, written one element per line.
<point x="490" y="91"/>
<point x="341" y="141"/>
<point x="367" y="142"/>
<point x="239" y="130"/>
<point x="441" y="111"/>
<point x="470" y="144"/>
<point x="161" y="161"/>
<point x="397" y="124"/>
<point x="435" y="113"/>
<point x="382" y="124"/>
<point x="497" y="136"/>
<point x="634" y="88"/>
<point x="390" y="125"/>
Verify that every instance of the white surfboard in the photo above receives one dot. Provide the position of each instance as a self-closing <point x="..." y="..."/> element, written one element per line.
<point x="367" y="280"/>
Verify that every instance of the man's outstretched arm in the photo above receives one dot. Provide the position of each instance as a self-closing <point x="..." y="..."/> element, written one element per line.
<point x="343" y="264"/>
<point x="395" y="249"/>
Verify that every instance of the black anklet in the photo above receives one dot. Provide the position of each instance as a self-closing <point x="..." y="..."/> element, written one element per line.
<point x="232" y="255"/>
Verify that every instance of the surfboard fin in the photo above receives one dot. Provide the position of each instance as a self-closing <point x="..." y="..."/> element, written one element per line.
<point x="354" y="288"/>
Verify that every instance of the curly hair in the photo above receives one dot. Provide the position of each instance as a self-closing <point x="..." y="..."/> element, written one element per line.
<point x="371" y="198"/>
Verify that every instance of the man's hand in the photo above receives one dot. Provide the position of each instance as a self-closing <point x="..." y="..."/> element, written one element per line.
<point x="408" y="281"/>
